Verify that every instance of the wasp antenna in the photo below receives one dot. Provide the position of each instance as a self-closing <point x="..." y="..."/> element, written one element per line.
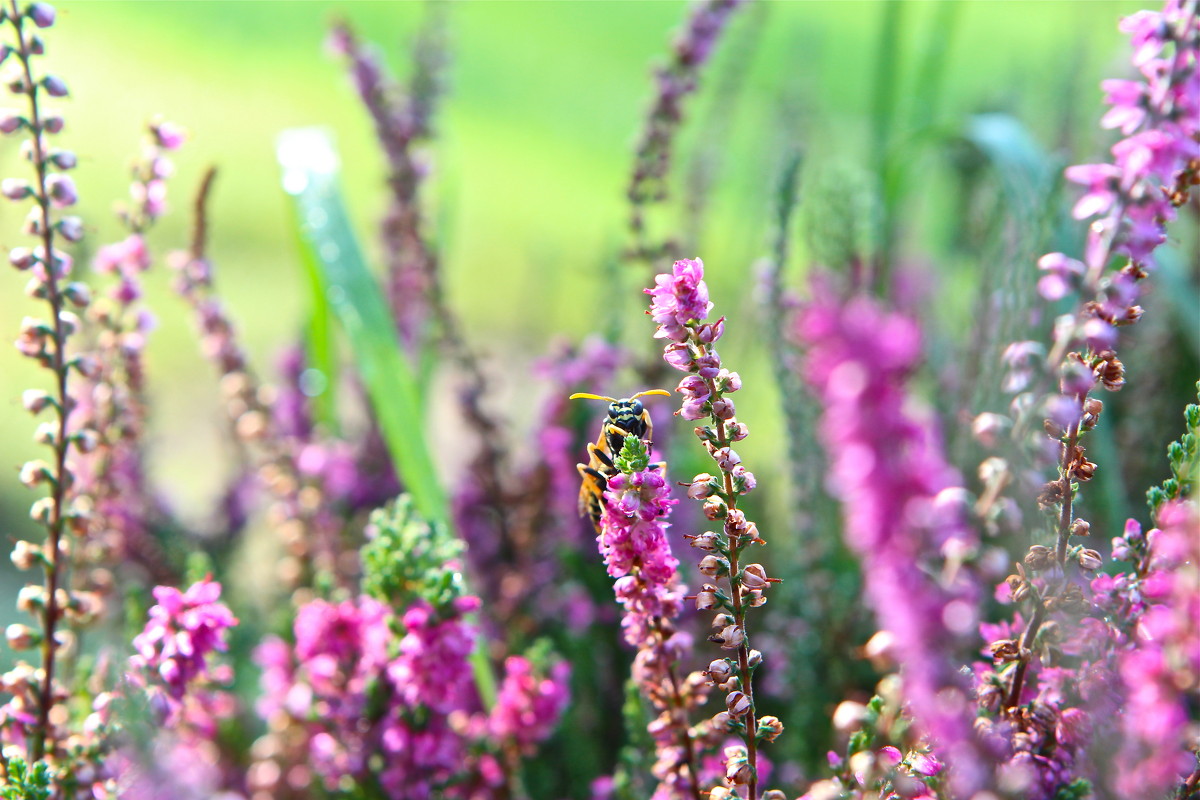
<point x="586" y="396"/>
<point x="663" y="392"/>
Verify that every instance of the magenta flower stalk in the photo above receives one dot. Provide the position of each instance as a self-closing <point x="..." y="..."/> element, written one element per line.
<point x="172" y="668"/>
<point x="679" y="306"/>
<point x="633" y="541"/>
<point x="675" y="81"/>
<point x="1134" y="197"/>
<point x="903" y="511"/>
<point x="114" y="401"/>
<point x="1159" y="663"/>
<point x="403" y="122"/>
<point x="50" y="191"/>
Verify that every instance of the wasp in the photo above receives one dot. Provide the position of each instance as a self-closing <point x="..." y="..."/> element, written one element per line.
<point x="626" y="417"/>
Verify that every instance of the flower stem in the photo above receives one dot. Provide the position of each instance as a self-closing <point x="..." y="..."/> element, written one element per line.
<point x="42" y="738"/>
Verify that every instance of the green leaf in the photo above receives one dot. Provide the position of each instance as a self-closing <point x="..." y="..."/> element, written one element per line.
<point x="310" y="176"/>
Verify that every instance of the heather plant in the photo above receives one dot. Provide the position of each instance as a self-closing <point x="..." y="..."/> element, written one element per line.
<point x="395" y="591"/>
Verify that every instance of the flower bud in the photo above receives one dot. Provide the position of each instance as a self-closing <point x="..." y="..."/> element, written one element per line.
<point x="1090" y="560"/>
<point x="35" y="472"/>
<point x="744" y="481"/>
<point x="1081" y="527"/>
<point x="21" y="257"/>
<point x="715" y="508"/>
<point x="718" y="671"/>
<point x="52" y="124"/>
<point x="702" y="486"/>
<point x="15" y="188"/>
<point x="707" y="598"/>
<point x="722" y="722"/>
<point x="737" y="704"/>
<point x="26" y="555"/>
<point x="738" y="431"/>
<point x="737" y="766"/>
<point x="714" y="566"/>
<point x="722" y="620"/>
<point x="722" y="408"/>
<point x="22" y="637"/>
<point x="54" y="86"/>
<point x="707" y="541"/>
<point x="42" y="14"/>
<point x="71" y="228"/>
<point x="31" y="598"/>
<point x="730" y="638"/>
<point x="726" y="458"/>
<point x="36" y="400"/>
<point x="769" y="728"/>
<point x="754" y="577"/>
<point x="728" y="381"/>
<point x="63" y="159"/>
<point x="61" y="190"/>
<point x="11" y="121"/>
<point x="1039" y="558"/>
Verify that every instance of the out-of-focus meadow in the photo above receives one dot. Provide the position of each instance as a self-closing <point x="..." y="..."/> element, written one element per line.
<point x="534" y="147"/>
<point x="946" y="123"/>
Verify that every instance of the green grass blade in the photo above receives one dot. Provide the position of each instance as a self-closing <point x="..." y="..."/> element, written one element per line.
<point x="310" y="178"/>
<point x="320" y="345"/>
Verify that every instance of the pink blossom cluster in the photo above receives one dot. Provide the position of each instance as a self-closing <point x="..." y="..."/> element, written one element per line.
<point x="184" y="629"/>
<point x="633" y="541"/>
<point x="358" y="691"/>
<point x="1159" y="662"/>
<point x="902" y="505"/>
<point x="1153" y="167"/>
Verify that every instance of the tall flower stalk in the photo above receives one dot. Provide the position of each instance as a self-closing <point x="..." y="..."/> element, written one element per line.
<point x="1132" y="199"/>
<point x="46" y="342"/>
<point x="679" y="306"/>
<point x="676" y="80"/>
<point x="902" y="509"/>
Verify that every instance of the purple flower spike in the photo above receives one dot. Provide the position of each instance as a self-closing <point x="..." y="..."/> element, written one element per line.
<point x="887" y="469"/>
<point x="679" y="298"/>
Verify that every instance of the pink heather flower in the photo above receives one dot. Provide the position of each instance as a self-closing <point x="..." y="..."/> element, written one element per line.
<point x="168" y="135"/>
<point x="1163" y="659"/>
<point x="678" y="299"/>
<point x="42" y="14"/>
<point x="1159" y="115"/>
<point x="528" y="706"/>
<point x="183" y="629"/>
<point x="887" y="469"/>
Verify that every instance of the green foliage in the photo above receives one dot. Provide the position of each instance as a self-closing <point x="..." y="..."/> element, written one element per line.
<point x="634" y="457"/>
<point x="24" y="783"/>
<point x="1184" y="458"/>
<point x="407" y="558"/>
<point x="1077" y="789"/>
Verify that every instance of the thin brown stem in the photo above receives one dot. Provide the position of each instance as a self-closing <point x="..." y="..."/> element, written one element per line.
<point x="739" y="609"/>
<point x="42" y="738"/>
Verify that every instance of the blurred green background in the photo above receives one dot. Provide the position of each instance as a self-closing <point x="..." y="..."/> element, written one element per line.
<point x="534" y="145"/>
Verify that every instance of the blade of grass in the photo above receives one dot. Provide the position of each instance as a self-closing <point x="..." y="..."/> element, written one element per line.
<point x="319" y="343"/>
<point x="310" y="178"/>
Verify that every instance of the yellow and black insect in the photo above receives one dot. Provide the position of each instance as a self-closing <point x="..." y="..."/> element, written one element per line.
<point x="626" y="417"/>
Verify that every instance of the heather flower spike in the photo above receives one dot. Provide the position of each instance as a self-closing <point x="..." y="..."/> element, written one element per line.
<point x="680" y="305"/>
<point x="27" y="723"/>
